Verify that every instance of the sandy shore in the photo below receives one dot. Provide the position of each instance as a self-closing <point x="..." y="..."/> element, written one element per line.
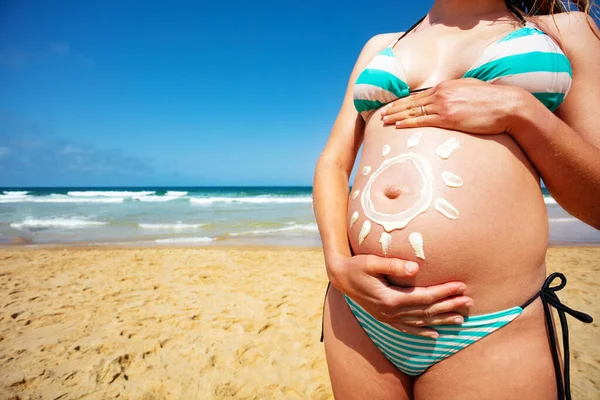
<point x="205" y="323"/>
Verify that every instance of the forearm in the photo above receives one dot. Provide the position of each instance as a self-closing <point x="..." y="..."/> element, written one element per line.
<point x="330" y="204"/>
<point x="566" y="161"/>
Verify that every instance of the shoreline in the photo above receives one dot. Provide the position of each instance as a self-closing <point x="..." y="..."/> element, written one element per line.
<point x="225" y="246"/>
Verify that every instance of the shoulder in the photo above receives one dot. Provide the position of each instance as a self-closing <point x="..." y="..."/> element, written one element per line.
<point x="575" y="31"/>
<point x="571" y="22"/>
<point x="383" y="39"/>
<point x="373" y="46"/>
<point x="379" y="42"/>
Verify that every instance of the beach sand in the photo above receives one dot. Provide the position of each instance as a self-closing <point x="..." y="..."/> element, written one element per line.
<point x="203" y="323"/>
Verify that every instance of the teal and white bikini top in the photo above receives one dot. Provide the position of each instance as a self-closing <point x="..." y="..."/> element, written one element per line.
<point x="526" y="57"/>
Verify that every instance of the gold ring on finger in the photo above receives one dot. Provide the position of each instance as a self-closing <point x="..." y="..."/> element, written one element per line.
<point x="423" y="110"/>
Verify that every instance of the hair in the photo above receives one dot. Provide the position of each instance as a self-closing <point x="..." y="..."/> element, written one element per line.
<point x="551" y="7"/>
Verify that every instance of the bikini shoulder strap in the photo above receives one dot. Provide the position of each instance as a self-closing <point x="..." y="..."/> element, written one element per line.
<point x="407" y="32"/>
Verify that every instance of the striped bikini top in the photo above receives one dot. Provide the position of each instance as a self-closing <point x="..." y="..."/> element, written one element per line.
<point x="526" y="57"/>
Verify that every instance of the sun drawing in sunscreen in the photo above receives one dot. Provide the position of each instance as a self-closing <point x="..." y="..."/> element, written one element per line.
<point x="416" y="241"/>
<point x="385" y="151"/>
<point x="386" y="242"/>
<point x="444" y="150"/>
<point x="414" y="140"/>
<point x="364" y="231"/>
<point x="400" y="220"/>
<point x="353" y="218"/>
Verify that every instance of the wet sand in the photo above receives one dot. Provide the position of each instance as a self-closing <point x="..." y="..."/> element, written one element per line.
<point x="203" y="323"/>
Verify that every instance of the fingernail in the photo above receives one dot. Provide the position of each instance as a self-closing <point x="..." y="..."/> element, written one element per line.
<point x="461" y="288"/>
<point x="458" y="320"/>
<point x="397" y="123"/>
<point x="411" y="267"/>
<point x="386" y="118"/>
<point x="432" y="335"/>
<point x="469" y="304"/>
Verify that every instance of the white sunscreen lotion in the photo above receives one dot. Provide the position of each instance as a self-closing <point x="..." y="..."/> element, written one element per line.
<point x="353" y="218"/>
<point x="451" y="180"/>
<point x="386" y="150"/>
<point x="386" y="242"/>
<point x="364" y="231"/>
<point x="445" y="208"/>
<point x="445" y="149"/>
<point x="414" y="140"/>
<point x="416" y="241"/>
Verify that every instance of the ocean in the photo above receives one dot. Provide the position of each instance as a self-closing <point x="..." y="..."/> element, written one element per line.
<point x="190" y="216"/>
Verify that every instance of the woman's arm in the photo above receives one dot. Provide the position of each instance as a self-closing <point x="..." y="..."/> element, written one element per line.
<point x="363" y="277"/>
<point x="565" y="148"/>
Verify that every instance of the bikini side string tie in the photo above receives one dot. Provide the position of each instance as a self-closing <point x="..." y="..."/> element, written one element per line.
<point x="550" y="298"/>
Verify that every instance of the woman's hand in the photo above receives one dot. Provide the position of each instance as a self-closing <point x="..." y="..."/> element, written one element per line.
<point x="363" y="278"/>
<point x="467" y="105"/>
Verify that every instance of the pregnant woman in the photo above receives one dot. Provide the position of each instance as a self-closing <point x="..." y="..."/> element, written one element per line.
<point x="460" y="116"/>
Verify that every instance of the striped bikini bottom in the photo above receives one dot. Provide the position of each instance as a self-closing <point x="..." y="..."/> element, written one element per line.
<point x="413" y="354"/>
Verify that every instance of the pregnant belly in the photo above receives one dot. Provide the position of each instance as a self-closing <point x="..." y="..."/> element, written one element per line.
<point x="465" y="207"/>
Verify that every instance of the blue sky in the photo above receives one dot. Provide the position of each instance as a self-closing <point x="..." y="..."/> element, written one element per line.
<point x="175" y="93"/>
<point x="109" y="93"/>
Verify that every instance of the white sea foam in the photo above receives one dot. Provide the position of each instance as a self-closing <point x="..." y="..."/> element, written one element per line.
<point x="253" y="200"/>
<point x="175" y="193"/>
<point x="549" y="200"/>
<point x="184" y="240"/>
<point x="295" y="227"/>
<point x="110" y="193"/>
<point x="563" y="219"/>
<point x="60" y="198"/>
<point x="55" y="223"/>
<point x="177" y="226"/>
<point x="157" y="199"/>
<point x="13" y="193"/>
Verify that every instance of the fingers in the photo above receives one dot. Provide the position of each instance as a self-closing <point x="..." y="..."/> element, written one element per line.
<point x="424" y="296"/>
<point x="416" y="112"/>
<point x="418" y="122"/>
<point x="392" y="267"/>
<point x="440" y="319"/>
<point x="444" y="306"/>
<point x="408" y="107"/>
<point x="425" y="332"/>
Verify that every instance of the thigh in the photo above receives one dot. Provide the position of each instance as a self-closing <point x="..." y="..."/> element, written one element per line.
<point x="357" y="369"/>
<point x="513" y="362"/>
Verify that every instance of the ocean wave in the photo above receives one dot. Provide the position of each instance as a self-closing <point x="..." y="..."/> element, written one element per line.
<point x="295" y="227"/>
<point x="253" y="200"/>
<point x="13" y="193"/>
<point x="110" y="193"/>
<point x="60" y="198"/>
<point x="55" y="223"/>
<point x="184" y="240"/>
<point x="175" y="193"/>
<point x="563" y="219"/>
<point x="157" y="199"/>
<point x="549" y="200"/>
<point x="170" y="226"/>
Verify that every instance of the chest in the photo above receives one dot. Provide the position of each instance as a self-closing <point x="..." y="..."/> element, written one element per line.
<point x="432" y="55"/>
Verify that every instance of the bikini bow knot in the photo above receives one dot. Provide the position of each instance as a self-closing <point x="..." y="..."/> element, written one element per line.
<point x="550" y="298"/>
